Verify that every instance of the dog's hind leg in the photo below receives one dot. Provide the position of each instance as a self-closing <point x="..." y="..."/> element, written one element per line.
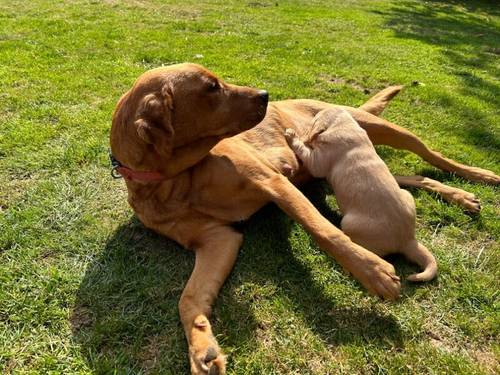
<point x="448" y="193"/>
<point x="383" y="132"/>
<point x="376" y="104"/>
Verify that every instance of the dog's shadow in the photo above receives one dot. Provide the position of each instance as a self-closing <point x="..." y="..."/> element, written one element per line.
<point x="125" y="316"/>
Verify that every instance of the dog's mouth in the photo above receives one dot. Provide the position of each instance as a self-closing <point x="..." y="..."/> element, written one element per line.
<point x="253" y="120"/>
<point x="258" y="115"/>
<point x="261" y="112"/>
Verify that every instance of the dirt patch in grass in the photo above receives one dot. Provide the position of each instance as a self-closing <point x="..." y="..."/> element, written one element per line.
<point x="150" y="353"/>
<point x="80" y="318"/>
<point x="345" y="82"/>
<point x="12" y="190"/>
<point x="487" y="360"/>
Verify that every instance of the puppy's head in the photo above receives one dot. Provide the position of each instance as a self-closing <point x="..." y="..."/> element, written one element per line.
<point x="326" y="123"/>
<point x="177" y="105"/>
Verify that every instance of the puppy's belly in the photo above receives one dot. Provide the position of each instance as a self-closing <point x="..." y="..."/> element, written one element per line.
<point x="374" y="233"/>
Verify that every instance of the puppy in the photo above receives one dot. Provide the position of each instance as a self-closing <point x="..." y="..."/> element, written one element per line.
<point x="378" y="215"/>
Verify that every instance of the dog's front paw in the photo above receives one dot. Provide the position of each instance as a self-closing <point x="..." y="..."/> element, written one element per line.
<point x="207" y="361"/>
<point x="378" y="277"/>
<point x="205" y="356"/>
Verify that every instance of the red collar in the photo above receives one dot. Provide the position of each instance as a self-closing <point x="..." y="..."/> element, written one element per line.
<point x="129" y="174"/>
<point x="119" y="170"/>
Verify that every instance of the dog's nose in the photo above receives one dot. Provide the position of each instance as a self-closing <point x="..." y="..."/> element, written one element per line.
<point x="264" y="95"/>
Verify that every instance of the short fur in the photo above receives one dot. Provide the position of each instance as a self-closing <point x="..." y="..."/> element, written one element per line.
<point x="378" y="215"/>
<point x="223" y="153"/>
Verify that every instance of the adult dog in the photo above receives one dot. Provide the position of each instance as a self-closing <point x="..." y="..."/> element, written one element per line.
<point x="198" y="154"/>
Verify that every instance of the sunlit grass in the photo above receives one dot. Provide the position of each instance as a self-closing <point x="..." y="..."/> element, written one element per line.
<point x="86" y="289"/>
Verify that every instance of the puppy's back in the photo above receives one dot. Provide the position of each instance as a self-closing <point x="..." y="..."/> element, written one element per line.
<point x="357" y="174"/>
<point x="336" y="130"/>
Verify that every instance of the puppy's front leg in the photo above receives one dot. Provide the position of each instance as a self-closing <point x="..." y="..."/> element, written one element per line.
<point x="297" y="146"/>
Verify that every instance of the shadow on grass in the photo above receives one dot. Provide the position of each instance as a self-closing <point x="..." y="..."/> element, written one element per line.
<point x="125" y="317"/>
<point x="468" y="42"/>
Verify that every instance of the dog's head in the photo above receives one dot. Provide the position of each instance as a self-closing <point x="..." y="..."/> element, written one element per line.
<point x="175" y="106"/>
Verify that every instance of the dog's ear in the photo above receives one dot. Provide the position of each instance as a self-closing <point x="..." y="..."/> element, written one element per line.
<point x="154" y="121"/>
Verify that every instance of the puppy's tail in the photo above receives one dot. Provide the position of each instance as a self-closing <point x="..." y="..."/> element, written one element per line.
<point x="376" y="104"/>
<point x="418" y="253"/>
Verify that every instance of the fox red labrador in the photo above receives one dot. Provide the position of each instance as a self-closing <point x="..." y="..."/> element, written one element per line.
<point x="197" y="154"/>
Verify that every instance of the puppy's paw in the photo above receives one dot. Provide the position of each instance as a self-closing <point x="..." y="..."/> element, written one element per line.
<point x="288" y="170"/>
<point x="290" y="135"/>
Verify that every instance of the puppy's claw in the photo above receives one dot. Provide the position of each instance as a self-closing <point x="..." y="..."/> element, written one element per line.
<point x="290" y="135"/>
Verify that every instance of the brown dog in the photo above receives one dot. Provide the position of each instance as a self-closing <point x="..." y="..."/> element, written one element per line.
<point x="163" y="135"/>
<point x="378" y="215"/>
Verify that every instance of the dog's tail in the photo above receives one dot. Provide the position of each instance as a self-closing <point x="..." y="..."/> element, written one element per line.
<point x="418" y="253"/>
<point x="376" y="104"/>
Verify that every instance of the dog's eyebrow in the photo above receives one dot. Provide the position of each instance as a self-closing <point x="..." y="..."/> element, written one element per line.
<point x="211" y="79"/>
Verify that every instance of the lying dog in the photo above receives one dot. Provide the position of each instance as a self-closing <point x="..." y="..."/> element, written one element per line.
<point x="197" y="154"/>
<point x="378" y="215"/>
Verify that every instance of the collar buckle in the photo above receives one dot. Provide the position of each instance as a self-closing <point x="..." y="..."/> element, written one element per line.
<point x="115" y="164"/>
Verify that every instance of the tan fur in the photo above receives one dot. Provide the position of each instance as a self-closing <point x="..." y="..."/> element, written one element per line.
<point x="378" y="215"/>
<point x="215" y="178"/>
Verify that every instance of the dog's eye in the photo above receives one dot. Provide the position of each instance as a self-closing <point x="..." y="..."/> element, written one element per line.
<point x="213" y="86"/>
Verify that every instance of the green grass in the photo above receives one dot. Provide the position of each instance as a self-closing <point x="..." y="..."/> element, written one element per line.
<point x="84" y="288"/>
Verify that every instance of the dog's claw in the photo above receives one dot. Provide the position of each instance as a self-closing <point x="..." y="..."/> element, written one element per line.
<point x="469" y="202"/>
<point x="212" y="362"/>
<point x="482" y="175"/>
<point x="379" y="278"/>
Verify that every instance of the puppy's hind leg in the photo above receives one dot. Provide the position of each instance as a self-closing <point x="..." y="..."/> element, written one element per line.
<point x="419" y="254"/>
<point x="373" y="272"/>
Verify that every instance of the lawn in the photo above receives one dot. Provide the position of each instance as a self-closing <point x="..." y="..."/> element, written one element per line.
<point x="85" y="288"/>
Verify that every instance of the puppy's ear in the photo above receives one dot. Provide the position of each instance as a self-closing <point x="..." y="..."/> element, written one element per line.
<point x="154" y="121"/>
